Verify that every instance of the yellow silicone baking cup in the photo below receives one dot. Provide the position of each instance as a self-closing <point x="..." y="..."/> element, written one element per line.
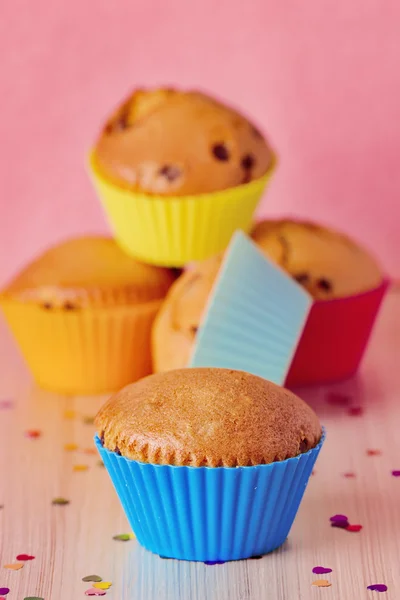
<point x="172" y="231"/>
<point x="87" y="351"/>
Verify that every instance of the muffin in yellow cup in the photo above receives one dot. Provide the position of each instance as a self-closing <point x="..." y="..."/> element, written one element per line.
<point x="178" y="173"/>
<point x="82" y="313"/>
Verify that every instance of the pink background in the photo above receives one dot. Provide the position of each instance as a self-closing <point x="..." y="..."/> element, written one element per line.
<point x="322" y="77"/>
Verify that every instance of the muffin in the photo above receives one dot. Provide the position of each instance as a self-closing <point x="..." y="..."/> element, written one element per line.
<point x="327" y="263"/>
<point x="82" y="314"/>
<point x="337" y="330"/>
<point x="209" y="464"/>
<point x="178" y="172"/>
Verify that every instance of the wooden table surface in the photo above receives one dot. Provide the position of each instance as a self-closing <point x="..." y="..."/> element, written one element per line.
<point x="75" y="540"/>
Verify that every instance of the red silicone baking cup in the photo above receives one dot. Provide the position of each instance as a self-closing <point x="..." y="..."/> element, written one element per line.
<point x="335" y="337"/>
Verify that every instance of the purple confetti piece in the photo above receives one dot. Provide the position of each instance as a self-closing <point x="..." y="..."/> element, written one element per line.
<point x="321" y="570"/>
<point x="6" y="404"/>
<point x="340" y="524"/>
<point x="338" y="518"/>
<point x="214" y="562"/>
<point x="377" y="587"/>
<point x="4" y="591"/>
<point x="396" y="473"/>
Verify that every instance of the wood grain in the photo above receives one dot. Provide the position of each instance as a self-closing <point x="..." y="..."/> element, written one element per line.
<point x="72" y="541"/>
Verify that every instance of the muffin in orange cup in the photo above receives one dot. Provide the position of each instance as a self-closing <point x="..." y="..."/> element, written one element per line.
<point x="345" y="281"/>
<point x="178" y="172"/>
<point x="82" y="313"/>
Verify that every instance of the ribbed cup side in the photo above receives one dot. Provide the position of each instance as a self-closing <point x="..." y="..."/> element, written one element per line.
<point x="206" y="514"/>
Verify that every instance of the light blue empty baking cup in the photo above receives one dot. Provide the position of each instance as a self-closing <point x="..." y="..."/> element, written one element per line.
<point x="254" y="317"/>
<point x="210" y="514"/>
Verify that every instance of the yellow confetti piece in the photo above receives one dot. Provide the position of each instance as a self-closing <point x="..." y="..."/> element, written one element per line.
<point x="103" y="585"/>
<point x="80" y="467"/>
<point x="70" y="447"/>
<point x="14" y="566"/>
<point x="69" y="414"/>
<point x="322" y="583"/>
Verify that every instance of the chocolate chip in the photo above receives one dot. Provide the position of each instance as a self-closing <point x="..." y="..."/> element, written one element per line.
<point x="324" y="284"/>
<point x="170" y="172"/>
<point x="47" y="305"/>
<point x="303" y="446"/>
<point x="102" y="438"/>
<point x="69" y="306"/>
<point x="220" y="152"/>
<point x="117" y="451"/>
<point x="248" y="161"/>
<point x="302" y="278"/>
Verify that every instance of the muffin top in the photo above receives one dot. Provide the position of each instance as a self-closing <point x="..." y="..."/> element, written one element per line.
<point x="88" y="271"/>
<point x="207" y="417"/>
<point x="327" y="263"/>
<point x="175" y="143"/>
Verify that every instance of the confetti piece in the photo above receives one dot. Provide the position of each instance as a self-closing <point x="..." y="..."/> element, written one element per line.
<point x="372" y="452"/>
<point x="355" y="411"/>
<point x="33" y="598"/>
<point x="354" y="528"/>
<point x="214" y="562"/>
<point x="349" y="475"/>
<point x="4" y="591"/>
<point x="321" y="570"/>
<point x="70" y="447"/>
<point x="6" y="404"/>
<point x="25" y="557"/>
<point x="340" y="524"/>
<point x="33" y="434"/>
<point x="377" y="587"/>
<point x="14" y="566"/>
<point x="123" y="537"/>
<point x="69" y="414"/>
<point x="338" y="399"/>
<point x="313" y="472"/>
<point x="92" y="578"/>
<point x="90" y="451"/>
<point x="88" y="420"/>
<point x="103" y="585"/>
<point x="396" y="473"/>
<point x="80" y="467"/>
<point x="322" y="583"/>
<point x="94" y="592"/>
<point x="338" y="518"/>
<point x="60" y="501"/>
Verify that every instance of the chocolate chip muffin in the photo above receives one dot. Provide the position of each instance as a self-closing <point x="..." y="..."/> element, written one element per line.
<point x="327" y="263"/>
<point x="176" y="143"/>
<point x="82" y="314"/>
<point x="207" y="417"/>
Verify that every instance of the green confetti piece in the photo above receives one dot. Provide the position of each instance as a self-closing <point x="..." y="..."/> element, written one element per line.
<point x="123" y="537"/>
<point x="33" y="598"/>
<point x="94" y="578"/>
<point x="60" y="501"/>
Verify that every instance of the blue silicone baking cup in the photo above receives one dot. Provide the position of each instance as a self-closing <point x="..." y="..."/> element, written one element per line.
<point x="210" y="514"/>
<point x="254" y="317"/>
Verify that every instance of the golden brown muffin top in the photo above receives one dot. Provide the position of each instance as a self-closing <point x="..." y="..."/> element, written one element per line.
<point x="207" y="417"/>
<point x="88" y="271"/>
<point x="327" y="263"/>
<point x="174" y="143"/>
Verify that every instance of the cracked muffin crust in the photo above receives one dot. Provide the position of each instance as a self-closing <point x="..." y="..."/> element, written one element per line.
<point x="327" y="263"/>
<point x="207" y="417"/>
<point x="175" y="143"/>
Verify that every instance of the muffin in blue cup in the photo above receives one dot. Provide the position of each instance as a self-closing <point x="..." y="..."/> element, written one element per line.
<point x="209" y="464"/>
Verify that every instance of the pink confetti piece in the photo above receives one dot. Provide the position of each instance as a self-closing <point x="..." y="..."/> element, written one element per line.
<point x="321" y="570"/>
<point x="6" y="404"/>
<point x="377" y="587"/>
<point x="25" y="557"/>
<point x="355" y="411"/>
<point x="33" y="434"/>
<point x="396" y="473"/>
<point x="95" y="592"/>
<point x="354" y="528"/>
<point x="349" y="475"/>
<point x="338" y="399"/>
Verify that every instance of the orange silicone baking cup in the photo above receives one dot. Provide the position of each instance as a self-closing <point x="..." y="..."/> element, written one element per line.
<point x="86" y="351"/>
